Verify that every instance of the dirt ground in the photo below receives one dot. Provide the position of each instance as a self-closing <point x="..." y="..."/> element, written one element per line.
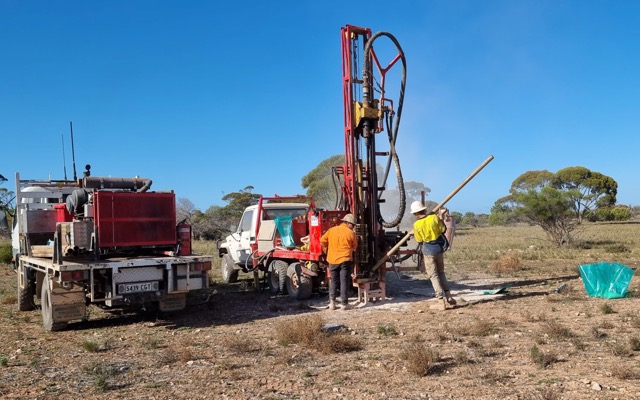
<point x="531" y="342"/>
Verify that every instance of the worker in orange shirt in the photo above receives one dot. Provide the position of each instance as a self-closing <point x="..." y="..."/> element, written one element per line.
<point x="339" y="243"/>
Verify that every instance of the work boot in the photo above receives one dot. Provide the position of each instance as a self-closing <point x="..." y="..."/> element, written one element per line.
<point x="450" y="300"/>
<point x="332" y="304"/>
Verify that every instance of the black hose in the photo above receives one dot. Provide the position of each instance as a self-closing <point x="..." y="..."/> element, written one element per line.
<point x="391" y="128"/>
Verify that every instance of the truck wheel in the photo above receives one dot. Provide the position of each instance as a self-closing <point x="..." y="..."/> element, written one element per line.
<point x="47" y="309"/>
<point x="299" y="286"/>
<point x="25" y="295"/>
<point x="229" y="273"/>
<point x="278" y="276"/>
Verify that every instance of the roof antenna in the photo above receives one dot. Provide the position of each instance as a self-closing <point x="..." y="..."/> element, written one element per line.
<point x="64" y="159"/>
<point x="73" y="153"/>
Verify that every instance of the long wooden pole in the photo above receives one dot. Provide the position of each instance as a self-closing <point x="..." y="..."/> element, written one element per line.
<point x="436" y="208"/>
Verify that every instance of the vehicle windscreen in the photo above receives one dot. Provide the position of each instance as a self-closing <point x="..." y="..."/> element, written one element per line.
<point x="284" y="212"/>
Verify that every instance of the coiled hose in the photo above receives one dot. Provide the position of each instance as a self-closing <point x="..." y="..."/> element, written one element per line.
<point x="392" y="128"/>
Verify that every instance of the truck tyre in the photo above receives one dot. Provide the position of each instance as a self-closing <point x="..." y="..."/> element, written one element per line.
<point x="299" y="286"/>
<point x="229" y="273"/>
<point x="47" y="309"/>
<point x="278" y="276"/>
<point x="26" y="294"/>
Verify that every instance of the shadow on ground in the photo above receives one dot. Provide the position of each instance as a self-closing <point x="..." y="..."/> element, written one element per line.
<point x="239" y="303"/>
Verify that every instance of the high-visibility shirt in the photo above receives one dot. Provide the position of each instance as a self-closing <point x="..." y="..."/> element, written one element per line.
<point x="341" y="242"/>
<point x="428" y="228"/>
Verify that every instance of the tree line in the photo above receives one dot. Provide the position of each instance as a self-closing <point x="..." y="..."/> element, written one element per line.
<point x="557" y="202"/>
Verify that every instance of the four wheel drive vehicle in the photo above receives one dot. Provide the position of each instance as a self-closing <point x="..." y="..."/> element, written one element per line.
<point x="281" y="237"/>
<point x="236" y="249"/>
<point x="106" y="241"/>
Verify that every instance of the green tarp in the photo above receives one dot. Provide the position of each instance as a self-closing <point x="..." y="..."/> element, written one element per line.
<point x="283" y="224"/>
<point x="609" y="280"/>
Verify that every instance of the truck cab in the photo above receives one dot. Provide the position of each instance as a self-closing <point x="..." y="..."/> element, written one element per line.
<point x="236" y="249"/>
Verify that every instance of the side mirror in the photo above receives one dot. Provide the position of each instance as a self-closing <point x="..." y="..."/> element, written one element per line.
<point x="233" y="228"/>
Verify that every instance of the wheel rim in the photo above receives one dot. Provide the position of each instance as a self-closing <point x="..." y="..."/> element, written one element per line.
<point x="295" y="281"/>
<point x="274" y="277"/>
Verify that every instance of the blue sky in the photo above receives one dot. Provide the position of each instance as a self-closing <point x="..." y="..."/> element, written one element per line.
<point x="206" y="98"/>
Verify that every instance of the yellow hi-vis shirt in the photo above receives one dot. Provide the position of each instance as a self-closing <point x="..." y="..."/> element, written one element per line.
<point x="428" y="228"/>
<point x="341" y="242"/>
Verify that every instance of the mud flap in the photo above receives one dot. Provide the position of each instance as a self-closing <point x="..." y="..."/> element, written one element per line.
<point x="67" y="304"/>
<point x="173" y="302"/>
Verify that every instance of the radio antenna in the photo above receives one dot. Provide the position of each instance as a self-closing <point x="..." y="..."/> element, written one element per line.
<point x="73" y="153"/>
<point x="64" y="159"/>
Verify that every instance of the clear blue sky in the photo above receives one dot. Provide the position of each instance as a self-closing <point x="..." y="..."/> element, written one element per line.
<point x="206" y="98"/>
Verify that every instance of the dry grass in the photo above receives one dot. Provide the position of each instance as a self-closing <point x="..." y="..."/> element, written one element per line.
<point x="607" y="308"/>
<point x="620" y="350"/>
<point x="90" y="346"/>
<point x="549" y="394"/>
<point x="96" y="346"/>
<point x="105" y="375"/>
<point x="624" y="372"/>
<point x="556" y="330"/>
<point x="151" y="343"/>
<point x="337" y="343"/>
<point x="419" y="358"/>
<point x="542" y="359"/>
<point x="387" y="330"/>
<point x="308" y="331"/>
<point x="9" y="299"/>
<point x="478" y="327"/>
<point x="303" y="330"/>
<point x="241" y="345"/>
<point x="173" y="354"/>
<point x="506" y="263"/>
<point x="634" y="343"/>
<point x="476" y="249"/>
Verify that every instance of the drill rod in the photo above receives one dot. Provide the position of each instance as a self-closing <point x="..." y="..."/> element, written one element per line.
<point x="436" y="208"/>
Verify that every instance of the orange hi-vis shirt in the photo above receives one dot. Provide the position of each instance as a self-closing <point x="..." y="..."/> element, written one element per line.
<point x="341" y="242"/>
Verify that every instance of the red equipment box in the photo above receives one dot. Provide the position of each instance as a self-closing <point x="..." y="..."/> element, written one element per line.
<point x="135" y="219"/>
<point x="319" y="223"/>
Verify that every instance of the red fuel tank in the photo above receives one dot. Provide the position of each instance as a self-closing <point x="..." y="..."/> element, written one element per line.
<point x="184" y="239"/>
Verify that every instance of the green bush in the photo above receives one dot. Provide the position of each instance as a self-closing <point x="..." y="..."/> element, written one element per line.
<point x="5" y="253"/>
<point x="617" y="213"/>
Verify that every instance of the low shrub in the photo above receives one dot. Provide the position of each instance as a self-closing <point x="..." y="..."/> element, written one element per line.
<point x="308" y="331"/>
<point x="420" y="359"/>
<point x="5" y="253"/>
<point x="506" y="263"/>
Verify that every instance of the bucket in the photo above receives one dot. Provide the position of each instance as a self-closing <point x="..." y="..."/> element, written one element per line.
<point x="62" y="215"/>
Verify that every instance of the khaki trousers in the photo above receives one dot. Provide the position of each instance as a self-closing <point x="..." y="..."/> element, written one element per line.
<point x="434" y="267"/>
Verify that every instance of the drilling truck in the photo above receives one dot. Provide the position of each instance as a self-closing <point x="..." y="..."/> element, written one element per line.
<point x="106" y="241"/>
<point x="287" y="247"/>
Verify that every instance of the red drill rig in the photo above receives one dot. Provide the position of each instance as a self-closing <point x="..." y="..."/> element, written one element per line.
<point x="281" y="235"/>
<point x="365" y="117"/>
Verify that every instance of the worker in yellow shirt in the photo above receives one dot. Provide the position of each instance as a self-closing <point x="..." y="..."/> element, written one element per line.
<point x="339" y="243"/>
<point x="429" y="231"/>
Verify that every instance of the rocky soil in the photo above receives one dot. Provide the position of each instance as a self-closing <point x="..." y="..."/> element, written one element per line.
<point x="529" y="342"/>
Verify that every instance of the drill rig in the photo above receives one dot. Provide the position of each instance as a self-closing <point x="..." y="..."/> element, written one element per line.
<point x="365" y="118"/>
<point x="291" y="255"/>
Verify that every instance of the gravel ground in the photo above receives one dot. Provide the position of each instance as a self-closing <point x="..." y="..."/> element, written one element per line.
<point x="530" y="342"/>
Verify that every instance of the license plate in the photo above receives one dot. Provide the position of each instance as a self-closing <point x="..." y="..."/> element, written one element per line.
<point x="137" y="287"/>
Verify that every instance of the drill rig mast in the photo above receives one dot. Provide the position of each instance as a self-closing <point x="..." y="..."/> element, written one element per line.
<point x="365" y="117"/>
